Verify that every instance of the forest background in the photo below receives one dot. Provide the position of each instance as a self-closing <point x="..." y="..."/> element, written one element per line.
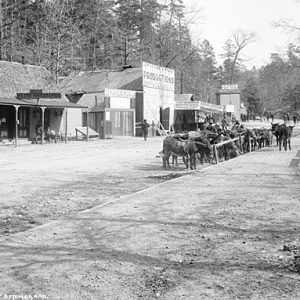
<point x="68" y="36"/>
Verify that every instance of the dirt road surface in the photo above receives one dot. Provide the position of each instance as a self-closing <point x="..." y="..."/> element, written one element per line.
<point x="103" y="220"/>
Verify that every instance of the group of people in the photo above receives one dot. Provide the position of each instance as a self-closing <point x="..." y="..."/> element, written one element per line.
<point x="48" y="134"/>
<point x="287" y="118"/>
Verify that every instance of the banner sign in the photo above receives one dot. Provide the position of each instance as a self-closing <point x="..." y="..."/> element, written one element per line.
<point x="197" y="105"/>
<point x="187" y="105"/>
<point x="158" y="77"/>
<point x="119" y="93"/>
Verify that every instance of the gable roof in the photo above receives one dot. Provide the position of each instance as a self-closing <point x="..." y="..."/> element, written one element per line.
<point x="20" y="78"/>
<point x="97" y="81"/>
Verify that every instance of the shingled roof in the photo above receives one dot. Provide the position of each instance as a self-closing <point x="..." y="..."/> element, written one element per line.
<point x="20" y="78"/>
<point x="97" y="81"/>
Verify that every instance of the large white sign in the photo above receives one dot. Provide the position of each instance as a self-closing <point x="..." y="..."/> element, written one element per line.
<point x="158" y="77"/>
<point x="229" y="108"/>
<point x="119" y="102"/>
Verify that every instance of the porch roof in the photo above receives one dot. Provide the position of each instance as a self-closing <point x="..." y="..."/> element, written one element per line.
<point x="12" y="101"/>
<point x="50" y="103"/>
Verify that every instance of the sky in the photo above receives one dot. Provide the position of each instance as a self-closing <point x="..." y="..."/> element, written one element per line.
<point x="218" y="19"/>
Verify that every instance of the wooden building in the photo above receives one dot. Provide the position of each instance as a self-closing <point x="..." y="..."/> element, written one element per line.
<point x="154" y="98"/>
<point x="190" y="113"/>
<point x="28" y="97"/>
<point x="229" y="97"/>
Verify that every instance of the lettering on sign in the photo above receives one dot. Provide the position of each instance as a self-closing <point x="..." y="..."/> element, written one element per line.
<point x="158" y="77"/>
<point x="230" y="87"/>
<point x="187" y="105"/>
<point x="197" y="105"/>
<point x="34" y="94"/>
<point x="119" y="93"/>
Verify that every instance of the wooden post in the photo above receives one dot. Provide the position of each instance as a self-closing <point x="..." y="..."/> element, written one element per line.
<point x="104" y="124"/>
<point x="133" y="124"/>
<point x="241" y="146"/>
<point x="250" y="144"/>
<point x="216" y="153"/>
<point x="66" y="126"/>
<point x="17" y="124"/>
<point x="43" y="124"/>
<point x="87" y="124"/>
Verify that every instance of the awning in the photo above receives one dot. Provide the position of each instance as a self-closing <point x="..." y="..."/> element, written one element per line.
<point x="40" y="103"/>
<point x="13" y="101"/>
<point x="50" y="103"/>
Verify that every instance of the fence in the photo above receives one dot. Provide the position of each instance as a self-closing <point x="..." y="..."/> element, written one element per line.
<point x="240" y="139"/>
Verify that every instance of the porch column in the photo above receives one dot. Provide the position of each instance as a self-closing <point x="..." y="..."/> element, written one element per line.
<point x="43" y="124"/>
<point x="87" y="124"/>
<point x="17" y="124"/>
<point x="133" y="121"/>
<point x="66" y="125"/>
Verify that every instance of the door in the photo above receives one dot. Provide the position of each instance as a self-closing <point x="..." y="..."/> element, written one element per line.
<point x="165" y="116"/>
<point x="122" y="123"/>
<point x="23" y="116"/>
<point x="4" y="116"/>
<point x="7" y="122"/>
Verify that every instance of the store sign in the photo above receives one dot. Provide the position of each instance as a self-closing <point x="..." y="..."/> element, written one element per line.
<point x="38" y="94"/>
<point x="197" y="105"/>
<point x="230" y="87"/>
<point x="119" y="93"/>
<point x="158" y="77"/>
<point x="187" y="105"/>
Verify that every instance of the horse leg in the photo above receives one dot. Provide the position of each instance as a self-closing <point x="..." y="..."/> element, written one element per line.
<point x="165" y="159"/>
<point x="187" y="159"/>
<point x="285" y="144"/>
<point x="279" y="143"/>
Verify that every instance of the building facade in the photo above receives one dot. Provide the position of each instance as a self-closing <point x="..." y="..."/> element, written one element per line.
<point x="152" y="85"/>
<point x="28" y="97"/>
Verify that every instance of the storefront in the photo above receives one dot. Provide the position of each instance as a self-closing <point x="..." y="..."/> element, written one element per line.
<point x="20" y="116"/>
<point x="190" y="114"/>
<point x="153" y="86"/>
<point x="114" y="115"/>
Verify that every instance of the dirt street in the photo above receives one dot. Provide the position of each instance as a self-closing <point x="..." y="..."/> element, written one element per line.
<point x="103" y="220"/>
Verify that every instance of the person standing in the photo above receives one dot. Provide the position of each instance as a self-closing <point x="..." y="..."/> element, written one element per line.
<point x="285" y="119"/>
<point x="288" y="118"/>
<point x="145" y="127"/>
<point x="295" y="119"/>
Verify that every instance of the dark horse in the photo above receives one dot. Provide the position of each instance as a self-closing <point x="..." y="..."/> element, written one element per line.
<point x="284" y="136"/>
<point x="275" y="131"/>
